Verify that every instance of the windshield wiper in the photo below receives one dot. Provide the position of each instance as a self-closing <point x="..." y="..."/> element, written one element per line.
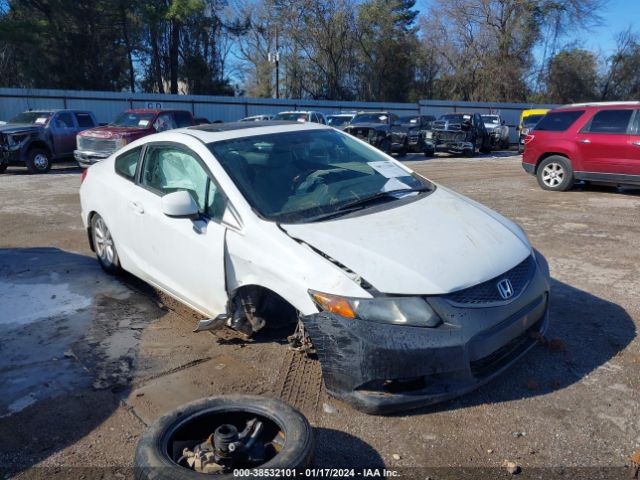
<point x="361" y="202"/>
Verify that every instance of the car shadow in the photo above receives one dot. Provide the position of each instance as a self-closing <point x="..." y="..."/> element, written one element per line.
<point x="336" y="449"/>
<point x="578" y="319"/>
<point x="58" y="168"/>
<point x="70" y="337"/>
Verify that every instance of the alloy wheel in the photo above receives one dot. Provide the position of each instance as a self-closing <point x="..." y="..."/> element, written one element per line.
<point x="553" y="174"/>
<point x="103" y="242"/>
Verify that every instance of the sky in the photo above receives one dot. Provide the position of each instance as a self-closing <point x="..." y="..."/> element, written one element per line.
<point x="616" y="15"/>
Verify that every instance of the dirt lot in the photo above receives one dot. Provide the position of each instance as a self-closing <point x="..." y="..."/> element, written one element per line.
<point x="86" y="361"/>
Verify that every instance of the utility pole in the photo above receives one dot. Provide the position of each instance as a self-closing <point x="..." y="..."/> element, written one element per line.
<point x="274" y="57"/>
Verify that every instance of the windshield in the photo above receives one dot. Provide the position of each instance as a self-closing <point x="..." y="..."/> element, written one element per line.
<point x="531" y="120"/>
<point x="292" y="117"/>
<point x="456" y="117"/>
<point x="338" y="120"/>
<point x="132" y="119"/>
<point x="410" y="120"/>
<point x="491" y="119"/>
<point x="300" y="176"/>
<point x="370" y="118"/>
<point x="36" y="118"/>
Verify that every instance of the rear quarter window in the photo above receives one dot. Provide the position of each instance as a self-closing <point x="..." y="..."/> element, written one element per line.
<point x="610" y="121"/>
<point x="127" y="163"/>
<point x="183" y="119"/>
<point x="84" y="120"/>
<point x="558" y="121"/>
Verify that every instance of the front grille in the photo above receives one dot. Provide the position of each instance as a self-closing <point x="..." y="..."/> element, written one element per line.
<point x="487" y="365"/>
<point x="449" y="136"/>
<point x="92" y="144"/>
<point x="487" y="292"/>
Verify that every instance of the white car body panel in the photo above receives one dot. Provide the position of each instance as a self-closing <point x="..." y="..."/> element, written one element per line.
<point x="436" y="244"/>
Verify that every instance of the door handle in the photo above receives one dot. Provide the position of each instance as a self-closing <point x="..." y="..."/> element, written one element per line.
<point x="136" y="207"/>
<point x="586" y="140"/>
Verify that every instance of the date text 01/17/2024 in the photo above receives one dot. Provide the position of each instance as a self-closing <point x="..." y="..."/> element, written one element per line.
<point x="315" y="473"/>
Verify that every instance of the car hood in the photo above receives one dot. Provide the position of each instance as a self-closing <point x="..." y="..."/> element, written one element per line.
<point x="113" y="132"/>
<point x="11" y="128"/>
<point x="438" y="244"/>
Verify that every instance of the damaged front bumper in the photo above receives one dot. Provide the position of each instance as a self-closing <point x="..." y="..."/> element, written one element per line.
<point x="438" y="145"/>
<point x="381" y="368"/>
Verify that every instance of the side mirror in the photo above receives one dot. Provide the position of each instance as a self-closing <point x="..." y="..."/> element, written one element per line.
<point x="180" y="204"/>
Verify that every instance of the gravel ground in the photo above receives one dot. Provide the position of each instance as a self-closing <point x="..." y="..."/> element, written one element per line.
<point x="87" y="361"/>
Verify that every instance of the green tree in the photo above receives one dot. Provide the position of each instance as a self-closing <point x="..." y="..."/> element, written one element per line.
<point x="572" y="77"/>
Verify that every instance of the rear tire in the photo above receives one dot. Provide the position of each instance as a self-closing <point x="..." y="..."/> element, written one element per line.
<point x="104" y="246"/>
<point x="555" y="173"/>
<point x="38" y="160"/>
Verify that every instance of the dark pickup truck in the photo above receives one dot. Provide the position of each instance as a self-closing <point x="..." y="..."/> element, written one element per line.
<point x="375" y="129"/>
<point x="458" y="133"/>
<point x="37" y="137"/>
<point x="99" y="143"/>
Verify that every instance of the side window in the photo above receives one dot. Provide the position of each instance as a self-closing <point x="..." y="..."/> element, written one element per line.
<point x="64" y="120"/>
<point x="164" y="122"/>
<point x="636" y="129"/>
<point x="127" y="163"/>
<point x="182" y="119"/>
<point x="84" y="120"/>
<point x="168" y="169"/>
<point x="610" y="121"/>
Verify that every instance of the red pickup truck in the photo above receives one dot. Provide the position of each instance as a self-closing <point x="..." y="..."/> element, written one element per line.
<point x="100" y="142"/>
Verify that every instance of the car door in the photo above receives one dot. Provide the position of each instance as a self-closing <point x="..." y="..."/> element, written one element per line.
<point x="64" y="131"/>
<point x="182" y="256"/>
<point x="603" y="144"/>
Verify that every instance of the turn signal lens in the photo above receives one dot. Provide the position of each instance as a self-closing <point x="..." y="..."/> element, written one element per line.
<point x="83" y="175"/>
<point x="333" y="303"/>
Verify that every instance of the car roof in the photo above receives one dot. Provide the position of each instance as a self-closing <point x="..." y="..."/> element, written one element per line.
<point x="223" y="131"/>
<point x="298" y="111"/>
<point x="596" y="106"/>
<point x="602" y="104"/>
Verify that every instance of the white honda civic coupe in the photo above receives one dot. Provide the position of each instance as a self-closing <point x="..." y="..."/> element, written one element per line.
<point x="409" y="293"/>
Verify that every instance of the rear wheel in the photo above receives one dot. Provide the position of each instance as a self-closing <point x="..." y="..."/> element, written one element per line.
<point x="104" y="246"/>
<point x="38" y="161"/>
<point x="555" y="173"/>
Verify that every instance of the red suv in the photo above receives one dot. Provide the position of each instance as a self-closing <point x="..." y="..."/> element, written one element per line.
<point x="598" y="142"/>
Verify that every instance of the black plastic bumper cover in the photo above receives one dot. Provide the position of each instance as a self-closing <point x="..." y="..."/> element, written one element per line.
<point x="529" y="168"/>
<point x="380" y="368"/>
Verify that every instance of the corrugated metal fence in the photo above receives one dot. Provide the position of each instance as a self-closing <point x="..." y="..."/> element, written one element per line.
<point x="106" y="105"/>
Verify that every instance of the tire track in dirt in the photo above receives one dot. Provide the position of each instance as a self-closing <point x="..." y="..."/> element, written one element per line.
<point x="300" y="383"/>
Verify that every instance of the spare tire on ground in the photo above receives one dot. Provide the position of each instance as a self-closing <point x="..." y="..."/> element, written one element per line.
<point x="224" y="436"/>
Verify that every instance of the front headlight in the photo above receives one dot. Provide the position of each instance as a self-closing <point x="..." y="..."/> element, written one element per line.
<point x="412" y="311"/>
<point x="428" y="134"/>
<point x="524" y="131"/>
